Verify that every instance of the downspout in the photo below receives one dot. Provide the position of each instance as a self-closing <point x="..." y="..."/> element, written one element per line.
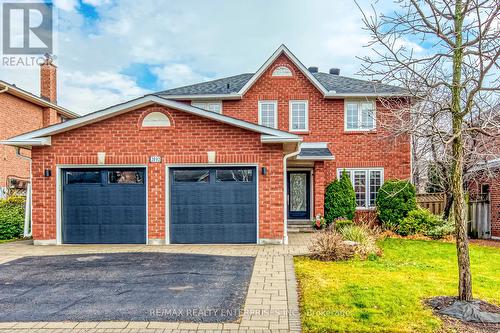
<point x="27" y="211"/>
<point x="4" y="89"/>
<point x="285" y="192"/>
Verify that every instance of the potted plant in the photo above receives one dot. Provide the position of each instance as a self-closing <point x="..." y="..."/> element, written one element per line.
<point x="318" y="222"/>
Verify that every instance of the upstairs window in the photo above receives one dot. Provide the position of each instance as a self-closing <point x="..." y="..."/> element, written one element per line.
<point x="268" y="113"/>
<point x="359" y="116"/>
<point x="209" y="106"/>
<point x="299" y="115"/>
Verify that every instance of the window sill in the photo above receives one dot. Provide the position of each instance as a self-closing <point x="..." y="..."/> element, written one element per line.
<point x="300" y="132"/>
<point x="354" y="132"/>
<point x="370" y="209"/>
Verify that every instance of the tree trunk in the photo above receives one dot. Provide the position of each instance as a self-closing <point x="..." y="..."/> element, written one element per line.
<point x="464" y="274"/>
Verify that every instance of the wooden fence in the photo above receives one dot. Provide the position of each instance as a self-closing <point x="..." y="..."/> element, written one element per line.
<point x="434" y="202"/>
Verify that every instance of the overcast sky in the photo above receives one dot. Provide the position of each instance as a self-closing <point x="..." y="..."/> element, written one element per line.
<point x="109" y="51"/>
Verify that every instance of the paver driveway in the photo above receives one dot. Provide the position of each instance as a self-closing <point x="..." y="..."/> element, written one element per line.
<point x="270" y="306"/>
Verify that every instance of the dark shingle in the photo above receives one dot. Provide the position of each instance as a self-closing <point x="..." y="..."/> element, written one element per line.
<point x="218" y="86"/>
<point x="347" y="85"/>
<point x="313" y="152"/>
<point x="337" y="83"/>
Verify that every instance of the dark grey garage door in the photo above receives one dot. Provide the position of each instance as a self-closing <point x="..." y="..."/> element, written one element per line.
<point x="104" y="206"/>
<point x="213" y="205"/>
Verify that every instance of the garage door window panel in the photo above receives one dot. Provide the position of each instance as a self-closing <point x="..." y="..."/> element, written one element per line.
<point x="125" y="177"/>
<point x="83" y="177"/>
<point x="192" y="176"/>
<point x="234" y="175"/>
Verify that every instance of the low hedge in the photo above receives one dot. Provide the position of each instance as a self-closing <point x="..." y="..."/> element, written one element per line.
<point x="11" y="217"/>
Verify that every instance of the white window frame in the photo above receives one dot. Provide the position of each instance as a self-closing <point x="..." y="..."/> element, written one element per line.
<point x="275" y="111"/>
<point x="290" y="127"/>
<point x="360" y="120"/>
<point x="205" y="105"/>
<point x="367" y="185"/>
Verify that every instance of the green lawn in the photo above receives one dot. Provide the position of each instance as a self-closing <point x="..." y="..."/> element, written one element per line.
<point x="386" y="295"/>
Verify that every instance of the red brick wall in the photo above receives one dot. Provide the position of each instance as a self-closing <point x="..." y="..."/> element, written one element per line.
<point x="17" y="116"/>
<point x="186" y="141"/>
<point x="326" y="124"/>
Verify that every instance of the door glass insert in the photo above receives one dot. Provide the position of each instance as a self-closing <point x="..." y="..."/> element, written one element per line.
<point x="298" y="192"/>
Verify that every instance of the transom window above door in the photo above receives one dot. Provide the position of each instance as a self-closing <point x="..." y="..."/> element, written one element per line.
<point x="366" y="184"/>
<point x="268" y="113"/>
<point x="209" y="106"/>
<point x="359" y="116"/>
<point x="299" y="116"/>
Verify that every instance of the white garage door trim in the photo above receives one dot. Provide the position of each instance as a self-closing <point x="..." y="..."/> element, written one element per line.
<point x="204" y="165"/>
<point x="59" y="185"/>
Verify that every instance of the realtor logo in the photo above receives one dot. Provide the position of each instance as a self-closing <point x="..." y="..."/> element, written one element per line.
<point x="27" y="28"/>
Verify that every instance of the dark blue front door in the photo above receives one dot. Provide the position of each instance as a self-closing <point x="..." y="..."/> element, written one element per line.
<point x="213" y="205"/>
<point x="104" y="206"/>
<point x="299" y="192"/>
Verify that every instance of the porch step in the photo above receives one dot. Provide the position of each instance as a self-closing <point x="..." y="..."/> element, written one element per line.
<point x="302" y="226"/>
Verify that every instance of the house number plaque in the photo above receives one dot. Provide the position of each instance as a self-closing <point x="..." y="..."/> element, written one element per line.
<point x="154" y="159"/>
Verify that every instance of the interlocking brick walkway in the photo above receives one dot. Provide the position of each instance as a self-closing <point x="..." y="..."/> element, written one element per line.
<point x="271" y="304"/>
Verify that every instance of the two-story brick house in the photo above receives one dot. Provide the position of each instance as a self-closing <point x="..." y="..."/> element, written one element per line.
<point x="235" y="160"/>
<point x="21" y="111"/>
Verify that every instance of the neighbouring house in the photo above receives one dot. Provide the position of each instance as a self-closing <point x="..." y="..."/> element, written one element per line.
<point x="21" y="111"/>
<point x="485" y="184"/>
<point x="486" y="187"/>
<point x="243" y="159"/>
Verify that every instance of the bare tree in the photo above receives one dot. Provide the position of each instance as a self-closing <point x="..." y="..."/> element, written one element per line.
<point x="445" y="56"/>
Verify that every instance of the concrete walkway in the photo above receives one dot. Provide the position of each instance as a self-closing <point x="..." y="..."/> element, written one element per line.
<point x="271" y="304"/>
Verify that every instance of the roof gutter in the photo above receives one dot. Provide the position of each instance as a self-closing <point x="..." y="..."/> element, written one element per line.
<point x="285" y="192"/>
<point x="28" y="143"/>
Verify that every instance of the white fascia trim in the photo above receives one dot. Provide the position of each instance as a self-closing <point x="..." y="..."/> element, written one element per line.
<point x="310" y="145"/>
<point x="316" y="158"/>
<point x="293" y="58"/>
<point x="44" y="141"/>
<point x="202" y="97"/>
<point x="144" y="101"/>
<point x="275" y="139"/>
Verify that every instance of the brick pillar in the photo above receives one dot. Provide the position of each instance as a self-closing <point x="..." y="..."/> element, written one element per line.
<point x="319" y="188"/>
<point x="48" y="89"/>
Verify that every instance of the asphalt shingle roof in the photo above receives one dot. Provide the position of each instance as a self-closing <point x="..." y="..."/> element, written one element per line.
<point x="314" y="152"/>
<point x="219" y="86"/>
<point x="232" y="84"/>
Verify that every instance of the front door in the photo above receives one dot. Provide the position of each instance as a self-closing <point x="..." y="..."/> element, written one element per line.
<point x="299" y="190"/>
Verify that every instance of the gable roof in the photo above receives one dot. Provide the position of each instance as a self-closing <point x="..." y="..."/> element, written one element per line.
<point x="234" y="87"/>
<point x="25" y="95"/>
<point x="41" y="137"/>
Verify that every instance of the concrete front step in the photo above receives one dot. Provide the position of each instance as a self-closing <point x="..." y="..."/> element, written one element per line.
<point x="300" y="227"/>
